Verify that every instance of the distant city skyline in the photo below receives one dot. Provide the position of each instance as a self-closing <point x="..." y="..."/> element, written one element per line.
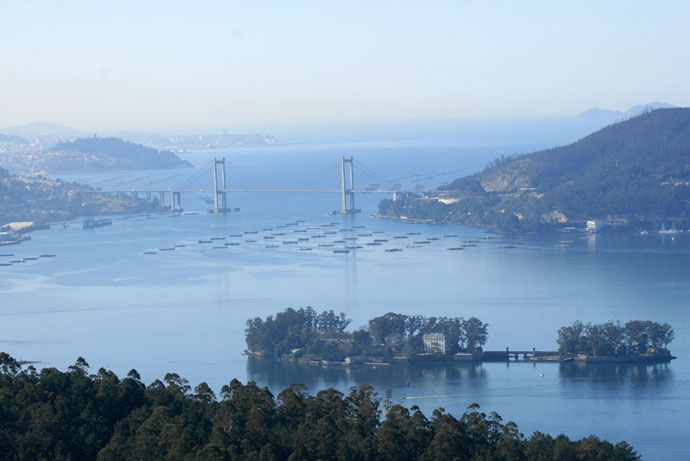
<point x="167" y="66"/>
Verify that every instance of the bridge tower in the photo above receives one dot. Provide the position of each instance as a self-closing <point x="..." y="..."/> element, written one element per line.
<point x="348" y="191"/>
<point x="219" y="206"/>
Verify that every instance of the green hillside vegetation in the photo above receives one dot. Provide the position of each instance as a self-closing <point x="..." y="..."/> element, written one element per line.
<point x="75" y="415"/>
<point x="637" y="170"/>
<point x="108" y="153"/>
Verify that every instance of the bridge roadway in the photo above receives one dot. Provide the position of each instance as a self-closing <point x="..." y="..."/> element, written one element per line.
<point x="232" y="191"/>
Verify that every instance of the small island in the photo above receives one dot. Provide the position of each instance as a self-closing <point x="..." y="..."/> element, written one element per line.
<point x="305" y="336"/>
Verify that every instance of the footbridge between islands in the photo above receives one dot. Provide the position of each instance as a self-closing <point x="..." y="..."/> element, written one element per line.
<point x="220" y="190"/>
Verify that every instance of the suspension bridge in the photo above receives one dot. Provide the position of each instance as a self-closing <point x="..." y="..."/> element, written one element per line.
<point x="220" y="190"/>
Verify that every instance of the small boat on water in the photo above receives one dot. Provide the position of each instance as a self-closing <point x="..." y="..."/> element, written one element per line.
<point x="91" y="223"/>
<point x="249" y="241"/>
<point x="305" y="249"/>
<point x="392" y="250"/>
<point x="449" y="235"/>
<point x="14" y="261"/>
<point x="414" y="246"/>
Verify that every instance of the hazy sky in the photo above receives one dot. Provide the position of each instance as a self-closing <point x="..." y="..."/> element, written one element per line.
<point x="174" y="65"/>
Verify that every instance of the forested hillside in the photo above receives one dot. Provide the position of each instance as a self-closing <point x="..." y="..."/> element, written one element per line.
<point x="75" y="415"/>
<point x="638" y="169"/>
<point x="108" y="153"/>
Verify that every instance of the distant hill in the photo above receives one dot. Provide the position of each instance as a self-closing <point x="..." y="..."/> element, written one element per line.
<point x="610" y="116"/>
<point x="98" y="154"/>
<point x="637" y="169"/>
<point x="43" y="129"/>
<point x="10" y="138"/>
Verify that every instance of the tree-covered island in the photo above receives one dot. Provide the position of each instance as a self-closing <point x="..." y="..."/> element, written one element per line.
<point x="635" y="341"/>
<point x="305" y="336"/>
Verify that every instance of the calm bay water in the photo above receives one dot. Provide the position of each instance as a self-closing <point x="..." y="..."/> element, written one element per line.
<point x="185" y="310"/>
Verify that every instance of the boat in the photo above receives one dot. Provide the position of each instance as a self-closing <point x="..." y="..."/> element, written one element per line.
<point x="31" y="258"/>
<point x="392" y="250"/>
<point x="413" y="246"/>
<point x="13" y="261"/>
<point x="94" y="223"/>
<point x="449" y="235"/>
<point x="305" y="249"/>
<point x="249" y="241"/>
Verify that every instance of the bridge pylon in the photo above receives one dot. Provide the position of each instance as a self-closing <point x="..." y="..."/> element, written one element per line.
<point x="348" y="192"/>
<point x="220" y="199"/>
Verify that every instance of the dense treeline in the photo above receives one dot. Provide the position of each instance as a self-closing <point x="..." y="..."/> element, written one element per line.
<point x="638" y="169"/>
<point x="636" y="337"/>
<point x="75" y="415"/>
<point x="303" y="332"/>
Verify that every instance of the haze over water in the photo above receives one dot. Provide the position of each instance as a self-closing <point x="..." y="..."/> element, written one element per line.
<point x="185" y="310"/>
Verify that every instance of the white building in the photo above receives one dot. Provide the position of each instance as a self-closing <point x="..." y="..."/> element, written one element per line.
<point x="435" y="342"/>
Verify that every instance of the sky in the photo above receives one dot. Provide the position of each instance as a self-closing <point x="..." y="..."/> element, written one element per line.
<point x="167" y="65"/>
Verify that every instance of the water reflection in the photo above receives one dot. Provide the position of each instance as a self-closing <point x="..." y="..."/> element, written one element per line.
<point x="277" y="375"/>
<point x="642" y="380"/>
